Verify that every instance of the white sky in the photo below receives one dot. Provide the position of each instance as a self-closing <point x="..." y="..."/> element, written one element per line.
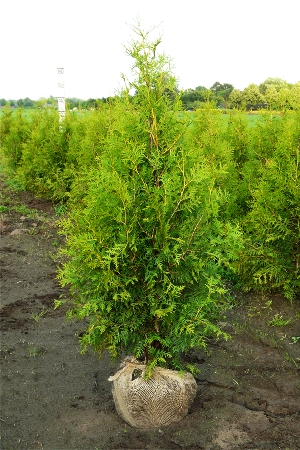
<point x="230" y="41"/>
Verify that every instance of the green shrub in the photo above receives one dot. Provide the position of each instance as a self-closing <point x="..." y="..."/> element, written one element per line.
<point x="209" y="135"/>
<point x="15" y="130"/>
<point x="237" y="135"/>
<point x="272" y="227"/>
<point x="87" y="134"/>
<point x="86" y="138"/>
<point x="146" y="243"/>
<point x="43" y="153"/>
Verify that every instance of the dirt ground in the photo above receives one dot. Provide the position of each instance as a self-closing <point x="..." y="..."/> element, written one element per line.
<point x="53" y="398"/>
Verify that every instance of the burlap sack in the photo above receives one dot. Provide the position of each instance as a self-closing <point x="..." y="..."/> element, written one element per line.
<point x="163" y="399"/>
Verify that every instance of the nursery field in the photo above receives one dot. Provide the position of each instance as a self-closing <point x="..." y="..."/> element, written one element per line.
<point x="53" y="398"/>
<point x="171" y="238"/>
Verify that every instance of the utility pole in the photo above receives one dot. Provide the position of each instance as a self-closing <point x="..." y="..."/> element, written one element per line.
<point x="61" y="98"/>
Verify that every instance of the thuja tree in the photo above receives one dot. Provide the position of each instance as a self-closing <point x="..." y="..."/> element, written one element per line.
<point x="43" y="154"/>
<point x="145" y="243"/>
<point x="15" y="131"/>
<point x="208" y="135"/>
<point x="271" y="258"/>
<point x="86" y="134"/>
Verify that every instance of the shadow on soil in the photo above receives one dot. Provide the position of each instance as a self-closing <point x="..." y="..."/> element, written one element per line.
<point x="53" y="398"/>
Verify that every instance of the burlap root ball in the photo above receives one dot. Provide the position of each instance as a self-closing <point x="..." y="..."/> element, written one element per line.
<point x="163" y="399"/>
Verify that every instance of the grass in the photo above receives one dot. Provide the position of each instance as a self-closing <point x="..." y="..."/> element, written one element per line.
<point x="20" y="209"/>
<point x="289" y="358"/>
<point x="25" y="211"/>
<point x="33" y="350"/>
<point x="37" y="316"/>
<point x="278" y="321"/>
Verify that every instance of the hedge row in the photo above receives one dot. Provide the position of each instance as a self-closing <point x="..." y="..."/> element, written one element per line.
<point x="256" y="172"/>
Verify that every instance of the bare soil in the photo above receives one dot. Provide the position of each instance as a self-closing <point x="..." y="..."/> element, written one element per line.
<point x="54" y="398"/>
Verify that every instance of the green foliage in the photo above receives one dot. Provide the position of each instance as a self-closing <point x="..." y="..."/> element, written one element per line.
<point x="45" y="156"/>
<point x="276" y="83"/>
<point x="221" y="92"/>
<point x="271" y="258"/>
<point x="85" y="134"/>
<point x="208" y="136"/>
<point x="238" y="137"/>
<point x="146" y="243"/>
<point x="294" y="97"/>
<point x="192" y="98"/>
<point x="272" y="97"/>
<point x="14" y="134"/>
<point x="152" y="197"/>
<point x="273" y="94"/>
<point x="43" y="153"/>
<point x="252" y="97"/>
<point x="279" y="321"/>
<point x="280" y="95"/>
<point x="235" y="99"/>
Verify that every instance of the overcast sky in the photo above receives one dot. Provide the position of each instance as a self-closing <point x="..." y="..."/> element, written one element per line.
<point x="230" y="41"/>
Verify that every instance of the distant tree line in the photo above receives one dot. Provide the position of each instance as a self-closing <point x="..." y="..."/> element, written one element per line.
<point x="28" y="103"/>
<point x="52" y="101"/>
<point x="273" y="93"/>
<point x="218" y="93"/>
